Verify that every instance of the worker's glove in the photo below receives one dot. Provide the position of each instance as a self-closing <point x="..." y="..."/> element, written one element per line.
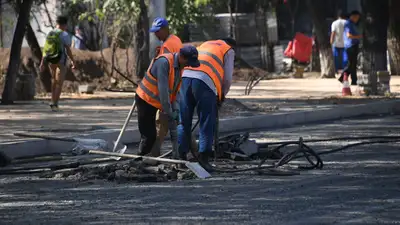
<point x="174" y="116"/>
<point x="219" y="102"/>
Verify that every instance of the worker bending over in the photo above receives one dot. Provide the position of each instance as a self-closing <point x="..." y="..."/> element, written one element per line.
<point x="205" y="87"/>
<point x="158" y="90"/>
<point x="169" y="44"/>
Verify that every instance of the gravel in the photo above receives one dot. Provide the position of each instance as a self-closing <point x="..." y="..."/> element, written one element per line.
<point x="120" y="172"/>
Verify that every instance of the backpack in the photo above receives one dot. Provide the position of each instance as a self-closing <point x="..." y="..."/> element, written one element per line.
<point x="52" y="50"/>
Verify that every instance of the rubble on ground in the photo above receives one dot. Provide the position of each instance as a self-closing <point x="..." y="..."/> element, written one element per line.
<point x="126" y="171"/>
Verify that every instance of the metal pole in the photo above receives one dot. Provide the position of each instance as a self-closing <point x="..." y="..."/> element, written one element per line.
<point x="156" y="9"/>
<point x="121" y="133"/>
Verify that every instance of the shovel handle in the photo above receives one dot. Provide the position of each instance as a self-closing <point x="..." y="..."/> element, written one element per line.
<point x="124" y="126"/>
<point x="44" y="137"/>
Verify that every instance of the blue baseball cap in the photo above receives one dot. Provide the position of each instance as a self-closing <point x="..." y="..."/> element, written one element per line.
<point x="158" y="23"/>
<point x="191" y="54"/>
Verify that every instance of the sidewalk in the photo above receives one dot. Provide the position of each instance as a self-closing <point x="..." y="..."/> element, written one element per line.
<point x="85" y="113"/>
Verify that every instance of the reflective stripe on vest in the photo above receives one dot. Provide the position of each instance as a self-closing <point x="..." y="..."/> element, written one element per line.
<point x="172" y="45"/>
<point x="148" y="87"/>
<point x="211" y="57"/>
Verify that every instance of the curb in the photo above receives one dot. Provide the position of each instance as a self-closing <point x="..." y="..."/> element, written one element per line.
<point x="278" y="120"/>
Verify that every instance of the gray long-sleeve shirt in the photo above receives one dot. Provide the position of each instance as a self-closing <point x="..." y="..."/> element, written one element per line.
<point x="160" y="70"/>
<point x="229" y="60"/>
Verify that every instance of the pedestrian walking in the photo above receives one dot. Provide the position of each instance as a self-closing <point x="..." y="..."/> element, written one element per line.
<point x="351" y="38"/>
<point x="158" y="91"/>
<point x="205" y="88"/>
<point x="78" y="40"/>
<point x="55" y="52"/>
<point x="170" y="43"/>
<point x="337" y="41"/>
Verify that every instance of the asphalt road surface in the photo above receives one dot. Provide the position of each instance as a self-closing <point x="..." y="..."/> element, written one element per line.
<point x="358" y="186"/>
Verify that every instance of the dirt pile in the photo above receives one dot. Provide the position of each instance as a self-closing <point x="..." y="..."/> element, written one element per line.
<point x="92" y="67"/>
<point x="126" y="171"/>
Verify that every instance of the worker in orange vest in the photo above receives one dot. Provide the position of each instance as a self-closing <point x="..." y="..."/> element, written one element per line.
<point x="205" y="87"/>
<point x="170" y="44"/>
<point x="158" y="91"/>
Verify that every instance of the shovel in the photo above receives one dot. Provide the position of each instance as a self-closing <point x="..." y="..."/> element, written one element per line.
<point x="128" y="118"/>
<point x="195" y="167"/>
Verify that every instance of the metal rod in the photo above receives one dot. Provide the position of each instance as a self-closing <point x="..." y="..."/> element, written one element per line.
<point x="174" y="161"/>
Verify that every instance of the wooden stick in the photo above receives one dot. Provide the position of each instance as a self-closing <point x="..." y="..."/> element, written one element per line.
<point x="174" y="161"/>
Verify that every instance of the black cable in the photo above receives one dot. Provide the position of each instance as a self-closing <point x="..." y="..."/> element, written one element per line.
<point x="305" y="151"/>
<point x="265" y="144"/>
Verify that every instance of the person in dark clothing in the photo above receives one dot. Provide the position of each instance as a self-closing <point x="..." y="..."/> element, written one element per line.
<point x="351" y="38"/>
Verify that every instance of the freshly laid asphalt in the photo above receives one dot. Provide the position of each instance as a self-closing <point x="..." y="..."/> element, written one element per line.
<point x="358" y="186"/>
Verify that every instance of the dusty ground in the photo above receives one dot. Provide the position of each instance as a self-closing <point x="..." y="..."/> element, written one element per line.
<point x="358" y="186"/>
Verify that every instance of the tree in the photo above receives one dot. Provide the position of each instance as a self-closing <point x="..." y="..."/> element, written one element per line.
<point x="8" y="95"/>
<point x="192" y="13"/>
<point x="261" y="9"/>
<point x="45" y="76"/>
<point x="394" y="37"/>
<point x="375" y="38"/>
<point x="319" y="18"/>
<point x="142" y="43"/>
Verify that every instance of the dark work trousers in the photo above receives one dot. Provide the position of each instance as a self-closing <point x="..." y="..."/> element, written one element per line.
<point x="351" y="68"/>
<point x="147" y="125"/>
<point x="195" y="93"/>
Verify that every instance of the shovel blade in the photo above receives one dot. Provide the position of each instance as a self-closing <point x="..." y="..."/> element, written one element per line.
<point x="120" y="151"/>
<point x="198" y="170"/>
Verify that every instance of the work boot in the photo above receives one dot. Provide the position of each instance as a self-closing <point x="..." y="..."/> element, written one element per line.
<point x="203" y="160"/>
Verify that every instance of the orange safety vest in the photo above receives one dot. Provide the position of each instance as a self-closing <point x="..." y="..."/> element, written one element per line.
<point x="211" y="57"/>
<point x="172" y="45"/>
<point x="148" y="87"/>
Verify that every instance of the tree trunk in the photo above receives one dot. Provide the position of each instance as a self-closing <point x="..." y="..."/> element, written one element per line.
<point x="262" y="31"/>
<point x="319" y="18"/>
<point x="1" y="25"/>
<point x="394" y="37"/>
<point x="8" y="95"/>
<point x="375" y="38"/>
<point x="142" y="42"/>
<point x="45" y="77"/>
<point x="315" y="57"/>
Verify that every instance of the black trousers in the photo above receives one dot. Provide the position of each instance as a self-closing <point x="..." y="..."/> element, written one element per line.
<point x="351" y="68"/>
<point x="147" y="125"/>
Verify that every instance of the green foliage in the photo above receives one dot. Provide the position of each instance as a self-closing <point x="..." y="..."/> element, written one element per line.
<point x="116" y="17"/>
<point x="181" y="12"/>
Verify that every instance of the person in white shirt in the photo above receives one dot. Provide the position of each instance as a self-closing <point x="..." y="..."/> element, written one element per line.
<point x="337" y="41"/>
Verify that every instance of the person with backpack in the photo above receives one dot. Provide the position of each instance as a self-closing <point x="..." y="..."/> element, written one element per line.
<point x="55" y="52"/>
